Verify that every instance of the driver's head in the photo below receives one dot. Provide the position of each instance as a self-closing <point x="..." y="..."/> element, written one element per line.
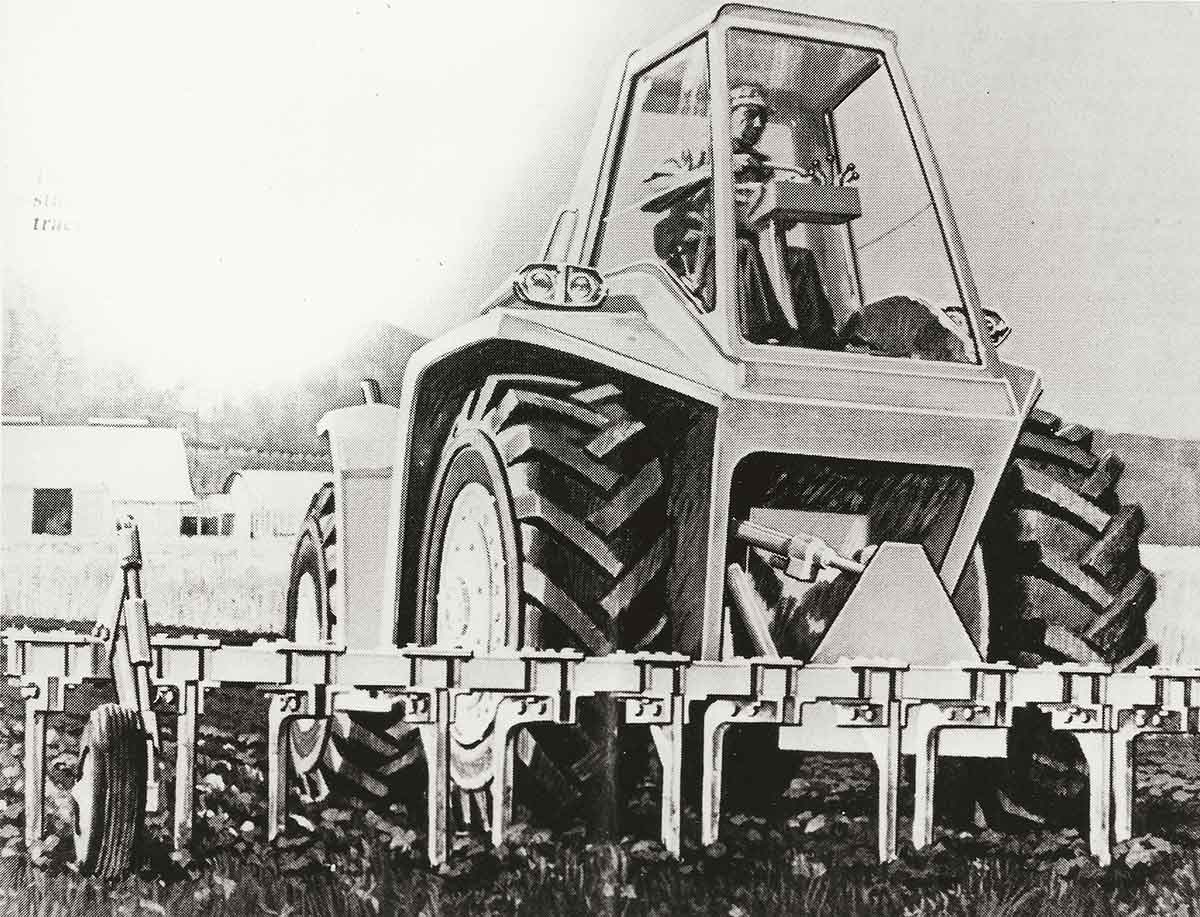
<point x="748" y="111"/>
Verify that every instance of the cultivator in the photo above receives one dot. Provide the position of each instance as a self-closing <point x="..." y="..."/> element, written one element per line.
<point x="883" y="708"/>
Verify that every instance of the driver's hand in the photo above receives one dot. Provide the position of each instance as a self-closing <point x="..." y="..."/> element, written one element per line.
<point x="746" y="197"/>
<point x="743" y="161"/>
<point x="747" y="194"/>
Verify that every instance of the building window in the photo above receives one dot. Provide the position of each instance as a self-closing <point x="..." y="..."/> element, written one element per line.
<point x="206" y="525"/>
<point x="52" y="511"/>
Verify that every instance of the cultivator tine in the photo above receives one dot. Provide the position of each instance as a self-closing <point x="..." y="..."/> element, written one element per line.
<point x="659" y="703"/>
<point x="285" y="705"/>
<point x="1097" y="748"/>
<point x="886" y="751"/>
<point x="435" y="741"/>
<point x="44" y="666"/>
<point x="719" y="716"/>
<point x="987" y="708"/>
<point x="435" y="674"/>
<point x="878" y="713"/>
<point x="185" y="763"/>
<point x="668" y="743"/>
<point x="547" y="698"/>
<point x="1083" y="710"/>
<point x="926" y="723"/>
<point x="772" y="701"/>
<point x="35" y="763"/>
<point x="1157" y="700"/>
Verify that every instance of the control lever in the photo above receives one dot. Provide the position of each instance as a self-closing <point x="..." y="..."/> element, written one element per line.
<point x="800" y="555"/>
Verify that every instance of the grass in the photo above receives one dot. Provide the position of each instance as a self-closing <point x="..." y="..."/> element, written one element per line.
<point x="605" y="878"/>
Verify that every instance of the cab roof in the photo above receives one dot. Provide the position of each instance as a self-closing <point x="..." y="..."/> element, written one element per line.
<point x="836" y="29"/>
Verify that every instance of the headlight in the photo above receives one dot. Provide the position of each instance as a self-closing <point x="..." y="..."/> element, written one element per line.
<point x="541" y="283"/>
<point x="582" y="287"/>
<point x="559" y="286"/>
<point x="995" y="324"/>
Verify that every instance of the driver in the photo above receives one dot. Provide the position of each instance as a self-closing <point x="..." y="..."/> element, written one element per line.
<point x="684" y="238"/>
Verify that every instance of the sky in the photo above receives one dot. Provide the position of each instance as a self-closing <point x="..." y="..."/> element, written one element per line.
<point x="247" y="183"/>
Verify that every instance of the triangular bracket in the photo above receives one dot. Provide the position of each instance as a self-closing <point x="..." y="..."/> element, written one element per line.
<point x="898" y="610"/>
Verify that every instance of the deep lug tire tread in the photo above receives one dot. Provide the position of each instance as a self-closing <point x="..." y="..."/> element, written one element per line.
<point x="1064" y="570"/>
<point x="365" y="755"/>
<point x="589" y="509"/>
<point x="1076" y="566"/>
<point x="116" y="742"/>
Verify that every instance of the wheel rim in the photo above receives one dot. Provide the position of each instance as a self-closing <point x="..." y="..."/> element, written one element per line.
<point x="83" y="802"/>
<point x="472" y="612"/>
<point x="306" y="736"/>
<point x="308" y="615"/>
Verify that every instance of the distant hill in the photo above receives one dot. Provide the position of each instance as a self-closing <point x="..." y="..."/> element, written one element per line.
<point x="48" y="372"/>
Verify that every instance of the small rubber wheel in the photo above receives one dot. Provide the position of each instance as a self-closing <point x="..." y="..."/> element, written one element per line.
<point x="110" y="792"/>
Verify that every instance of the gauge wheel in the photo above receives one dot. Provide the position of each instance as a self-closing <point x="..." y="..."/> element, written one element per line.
<point x="1065" y="583"/>
<point x="547" y="528"/>
<point x="366" y="755"/>
<point x="109" y="795"/>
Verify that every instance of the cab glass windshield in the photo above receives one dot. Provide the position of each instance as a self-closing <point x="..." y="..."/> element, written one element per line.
<point x="837" y="241"/>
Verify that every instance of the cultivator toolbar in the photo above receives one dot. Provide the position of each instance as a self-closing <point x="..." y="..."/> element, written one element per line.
<point x="882" y="708"/>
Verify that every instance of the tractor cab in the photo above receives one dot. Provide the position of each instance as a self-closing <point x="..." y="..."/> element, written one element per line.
<point x="775" y="174"/>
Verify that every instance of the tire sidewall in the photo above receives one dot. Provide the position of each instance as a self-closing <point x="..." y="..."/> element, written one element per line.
<point x="307" y="739"/>
<point x="308" y="558"/>
<point x="87" y="846"/>
<point x="470" y="457"/>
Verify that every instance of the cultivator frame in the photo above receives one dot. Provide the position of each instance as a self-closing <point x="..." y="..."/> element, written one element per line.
<point x="879" y="707"/>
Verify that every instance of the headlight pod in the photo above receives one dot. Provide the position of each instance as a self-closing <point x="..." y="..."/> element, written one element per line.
<point x="995" y="324"/>
<point x="559" y="286"/>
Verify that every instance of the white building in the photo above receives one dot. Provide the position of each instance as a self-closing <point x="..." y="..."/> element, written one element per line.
<point x="266" y="504"/>
<point x="72" y="482"/>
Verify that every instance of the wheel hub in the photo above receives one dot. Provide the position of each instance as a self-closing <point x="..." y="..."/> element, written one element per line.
<point x="472" y="613"/>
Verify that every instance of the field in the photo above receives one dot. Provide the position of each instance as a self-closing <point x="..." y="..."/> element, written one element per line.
<point x="813" y="855"/>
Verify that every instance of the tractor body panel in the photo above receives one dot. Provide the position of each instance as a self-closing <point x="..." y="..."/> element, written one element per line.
<point x="933" y="424"/>
<point x="906" y="413"/>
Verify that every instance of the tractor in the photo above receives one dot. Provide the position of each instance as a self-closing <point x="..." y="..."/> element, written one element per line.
<point x="750" y="353"/>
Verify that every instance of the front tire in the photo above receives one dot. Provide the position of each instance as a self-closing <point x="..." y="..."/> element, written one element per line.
<point x="365" y="755"/>
<point x="547" y="528"/>
<point x="1066" y="584"/>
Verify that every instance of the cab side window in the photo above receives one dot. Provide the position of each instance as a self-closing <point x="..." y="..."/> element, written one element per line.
<point x="658" y="206"/>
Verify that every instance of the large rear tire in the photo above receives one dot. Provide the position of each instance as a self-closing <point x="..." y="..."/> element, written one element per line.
<point x="109" y="795"/>
<point x="546" y="528"/>
<point x="369" y="756"/>
<point x="1065" y="583"/>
